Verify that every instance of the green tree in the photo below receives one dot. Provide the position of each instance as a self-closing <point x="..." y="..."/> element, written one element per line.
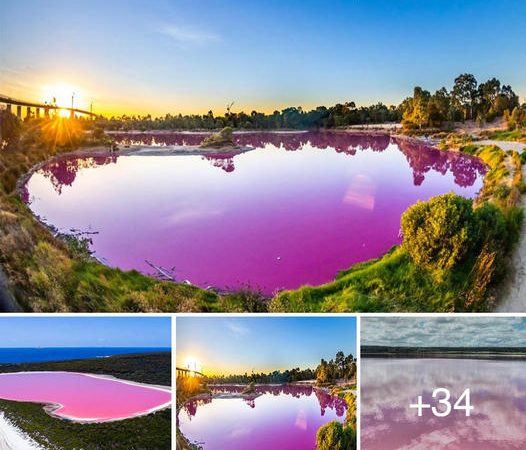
<point x="323" y="372"/>
<point x="464" y="94"/>
<point x="350" y="367"/>
<point x="340" y="363"/>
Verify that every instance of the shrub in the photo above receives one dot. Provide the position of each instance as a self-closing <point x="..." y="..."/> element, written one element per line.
<point x="436" y="233"/>
<point x="333" y="436"/>
<point x="217" y="140"/>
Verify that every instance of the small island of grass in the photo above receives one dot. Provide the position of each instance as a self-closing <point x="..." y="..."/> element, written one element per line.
<point x="220" y="140"/>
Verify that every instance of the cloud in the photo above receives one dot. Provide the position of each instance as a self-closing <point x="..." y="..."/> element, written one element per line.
<point x="189" y="36"/>
<point x="444" y="331"/>
<point x="237" y="329"/>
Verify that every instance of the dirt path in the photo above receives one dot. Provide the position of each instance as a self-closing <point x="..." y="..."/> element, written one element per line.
<point x="504" y="145"/>
<point x="513" y="297"/>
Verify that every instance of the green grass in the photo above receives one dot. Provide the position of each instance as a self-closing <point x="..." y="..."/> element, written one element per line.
<point x="508" y="135"/>
<point x="151" y="432"/>
<point x="391" y="283"/>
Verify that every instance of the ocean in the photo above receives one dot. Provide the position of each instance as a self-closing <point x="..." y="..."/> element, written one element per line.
<point x="28" y="355"/>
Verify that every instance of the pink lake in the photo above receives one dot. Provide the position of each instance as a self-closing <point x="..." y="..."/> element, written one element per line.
<point x="82" y="397"/>
<point x="498" y="395"/>
<point x="293" y="211"/>
<point x="278" y="418"/>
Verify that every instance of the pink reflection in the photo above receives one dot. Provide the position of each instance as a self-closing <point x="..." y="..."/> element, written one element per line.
<point x="278" y="417"/>
<point x="294" y="211"/>
<point x="82" y="397"/>
<point x="498" y="394"/>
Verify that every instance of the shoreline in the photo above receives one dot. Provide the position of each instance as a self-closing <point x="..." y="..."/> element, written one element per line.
<point x="13" y="438"/>
<point x="143" y="150"/>
<point x="51" y="408"/>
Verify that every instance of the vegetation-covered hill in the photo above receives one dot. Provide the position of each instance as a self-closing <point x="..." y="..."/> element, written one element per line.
<point x="152" y="368"/>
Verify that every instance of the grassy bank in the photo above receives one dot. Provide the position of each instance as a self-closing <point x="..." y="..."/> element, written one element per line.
<point x="49" y="274"/>
<point x="396" y="282"/>
<point x="517" y="135"/>
<point x="148" y="432"/>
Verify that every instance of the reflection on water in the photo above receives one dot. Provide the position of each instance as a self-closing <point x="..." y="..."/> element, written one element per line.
<point x="498" y="394"/>
<point x="294" y="211"/>
<point x="277" y="417"/>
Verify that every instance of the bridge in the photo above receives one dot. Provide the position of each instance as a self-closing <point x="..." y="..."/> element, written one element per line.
<point x="183" y="373"/>
<point x="38" y="107"/>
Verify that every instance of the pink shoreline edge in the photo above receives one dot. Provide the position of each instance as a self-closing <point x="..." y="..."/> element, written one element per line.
<point x="51" y="408"/>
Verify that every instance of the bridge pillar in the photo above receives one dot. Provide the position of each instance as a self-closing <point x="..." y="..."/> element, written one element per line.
<point x="28" y="112"/>
<point x="46" y="112"/>
<point x="37" y="112"/>
<point x="72" y="114"/>
<point x="8" y="107"/>
<point x="19" y="111"/>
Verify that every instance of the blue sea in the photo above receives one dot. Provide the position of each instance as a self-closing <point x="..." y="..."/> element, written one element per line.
<point x="28" y="355"/>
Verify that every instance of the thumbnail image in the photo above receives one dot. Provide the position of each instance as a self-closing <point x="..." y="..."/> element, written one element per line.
<point x="85" y="383"/>
<point x="266" y="383"/>
<point x="456" y="383"/>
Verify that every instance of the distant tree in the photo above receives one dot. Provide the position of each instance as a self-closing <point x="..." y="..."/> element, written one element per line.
<point x="323" y="372"/>
<point x="464" y="94"/>
<point x="350" y="367"/>
<point x="340" y="363"/>
<point x="516" y="119"/>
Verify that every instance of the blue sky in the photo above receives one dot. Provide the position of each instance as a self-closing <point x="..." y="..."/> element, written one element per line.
<point x="186" y="56"/>
<point x="243" y="344"/>
<point x="444" y="331"/>
<point x="32" y="332"/>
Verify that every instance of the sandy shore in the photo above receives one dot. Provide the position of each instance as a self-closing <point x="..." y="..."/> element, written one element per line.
<point x="12" y="438"/>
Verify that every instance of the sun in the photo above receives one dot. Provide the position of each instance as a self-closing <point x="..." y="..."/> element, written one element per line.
<point x="192" y="364"/>
<point x="61" y="94"/>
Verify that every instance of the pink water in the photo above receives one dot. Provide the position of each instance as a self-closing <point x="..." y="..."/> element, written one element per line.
<point x="282" y="418"/>
<point x="83" y="397"/>
<point x="498" y="395"/>
<point x="294" y="211"/>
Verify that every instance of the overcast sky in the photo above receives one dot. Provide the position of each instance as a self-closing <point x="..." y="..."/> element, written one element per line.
<point x="444" y="331"/>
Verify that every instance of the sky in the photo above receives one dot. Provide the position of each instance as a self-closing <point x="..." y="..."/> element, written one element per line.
<point x="233" y="345"/>
<point x="190" y="56"/>
<point x="33" y="332"/>
<point x="444" y="331"/>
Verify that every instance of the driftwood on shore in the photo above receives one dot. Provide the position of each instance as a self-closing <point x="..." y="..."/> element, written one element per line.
<point x="160" y="270"/>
